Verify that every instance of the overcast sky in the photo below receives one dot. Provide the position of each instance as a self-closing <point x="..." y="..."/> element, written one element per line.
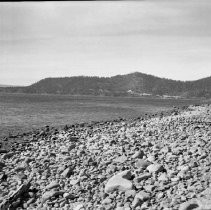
<point x="166" y="38"/>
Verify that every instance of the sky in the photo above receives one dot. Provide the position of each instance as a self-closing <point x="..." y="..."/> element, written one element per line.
<point x="165" y="38"/>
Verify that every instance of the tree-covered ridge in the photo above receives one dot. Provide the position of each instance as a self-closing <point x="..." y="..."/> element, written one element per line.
<point x="120" y="85"/>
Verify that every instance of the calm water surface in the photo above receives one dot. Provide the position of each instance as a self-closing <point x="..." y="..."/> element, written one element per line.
<point x="22" y="112"/>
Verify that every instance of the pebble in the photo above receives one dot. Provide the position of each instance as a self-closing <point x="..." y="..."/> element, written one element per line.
<point x="142" y="177"/>
<point x="107" y="201"/>
<point x="53" y="184"/>
<point x="139" y="198"/>
<point x="79" y="207"/>
<point x="155" y="168"/>
<point x="138" y="154"/>
<point x="120" y="159"/>
<point x="66" y="173"/>
<point x="163" y="177"/>
<point x="68" y="196"/>
<point x="49" y="194"/>
<point x="140" y="163"/>
<point x="130" y="193"/>
<point x="119" y="182"/>
<point x="153" y="163"/>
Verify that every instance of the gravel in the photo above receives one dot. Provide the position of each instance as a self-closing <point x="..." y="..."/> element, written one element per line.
<point x="157" y="163"/>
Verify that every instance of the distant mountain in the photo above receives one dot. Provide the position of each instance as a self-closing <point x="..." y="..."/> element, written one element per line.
<point x="1" y="85"/>
<point x="136" y="84"/>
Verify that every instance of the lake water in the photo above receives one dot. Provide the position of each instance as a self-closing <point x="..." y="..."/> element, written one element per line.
<point x="22" y="112"/>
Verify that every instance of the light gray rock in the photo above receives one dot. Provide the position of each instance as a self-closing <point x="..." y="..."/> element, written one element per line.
<point x="139" y="198"/>
<point x="53" y="184"/>
<point x="106" y="201"/>
<point x="138" y="154"/>
<point x="120" y="159"/>
<point x="141" y="163"/>
<point x="163" y="177"/>
<point x="130" y="193"/>
<point x="49" y="194"/>
<point x="155" y="168"/>
<point x="119" y="182"/>
<point x="79" y="206"/>
<point x="68" y="195"/>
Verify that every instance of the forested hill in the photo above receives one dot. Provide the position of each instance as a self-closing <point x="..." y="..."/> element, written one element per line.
<point x="120" y="85"/>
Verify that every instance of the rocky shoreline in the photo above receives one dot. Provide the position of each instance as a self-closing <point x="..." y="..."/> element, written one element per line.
<point x="161" y="162"/>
